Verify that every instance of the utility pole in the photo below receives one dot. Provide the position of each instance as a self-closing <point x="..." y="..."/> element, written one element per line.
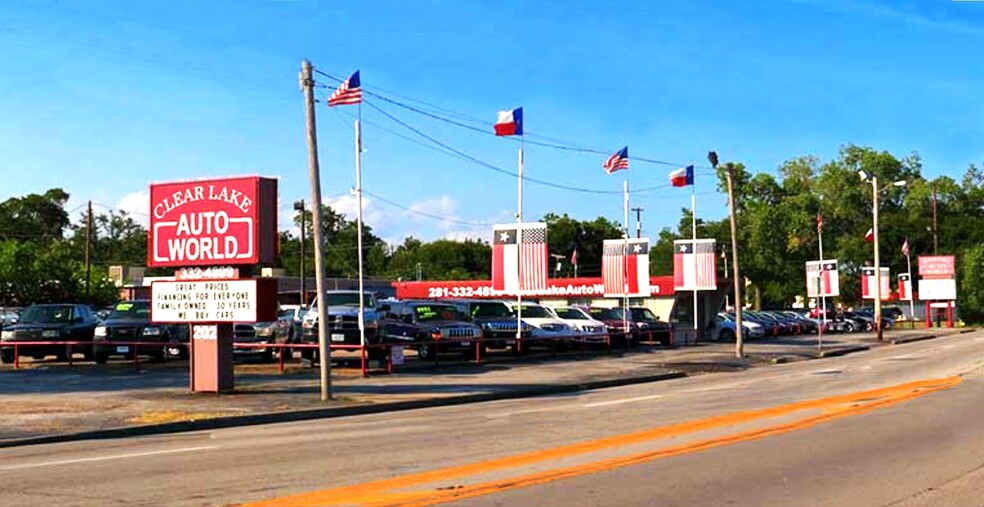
<point x="324" y="353"/>
<point x="739" y="347"/>
<point x="936" y="244"/>
<point x="299" y="206"/>
<point x="878" y="277"/>
<point x="88" y="248"/>
<point x="638" y="212"/>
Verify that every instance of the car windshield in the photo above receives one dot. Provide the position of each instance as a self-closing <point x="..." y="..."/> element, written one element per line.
<point x="131" y="310"/>
<point x="47" y="315"/>
<point x="427" y="313"/>
<point x="571" y="313"/>
<point x="491" y="310"/>
<point x="350" y="299"/>
<point x="607" y="313"/>
<point x="642" y="314"/>
<point x="536" y="312"/>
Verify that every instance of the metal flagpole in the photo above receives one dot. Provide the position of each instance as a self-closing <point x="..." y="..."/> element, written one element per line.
<point x="358" y="198"/>
<point x="912" y="299"/>
<point x="693" y="221"/>
<point x="519" y="245"/>
<point x="625" y="263"/>
<point x="822" y="289"/>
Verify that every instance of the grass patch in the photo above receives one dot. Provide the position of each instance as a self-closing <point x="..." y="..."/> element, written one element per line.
<point x="169" y="416"/>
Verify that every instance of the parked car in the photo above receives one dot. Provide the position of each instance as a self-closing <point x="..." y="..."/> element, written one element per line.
<point x="591" y="330"/>
<point x="808" y="325"/>
<point x="648" y="326"/>
<point x="543" y="324"/>
<point x="46" y="323"/>
<point x="619" y="324"/>
<point x="431" y="327"/>
<point x="869" y="313"/>
<point x="129" y="321"/>
<point x="496" y="318"/>
<point x="8" y="317"/>
<point x="262" y="333"/>
<point x="726" y="325"/>
<point x="771" y="327"/>
<point x="342" y="307"/>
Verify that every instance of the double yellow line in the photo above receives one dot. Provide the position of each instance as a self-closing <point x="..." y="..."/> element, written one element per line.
<point x="420" y="489"/>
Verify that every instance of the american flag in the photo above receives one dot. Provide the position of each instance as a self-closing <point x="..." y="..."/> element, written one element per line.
<point x="347" y="93"/>
<point x="625" y="275"/>
<point x="519" y="258"/>
<point x="694" y="264"/>
<point x="618" y="160"/>
<point x="819" y="223"/>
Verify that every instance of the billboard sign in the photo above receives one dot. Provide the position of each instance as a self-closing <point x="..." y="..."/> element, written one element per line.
<point x="936" y="266"/>
<point x="217" y="222"/>
<point x="211" y="301"/>
<point x="822" y="279"/>
<point x="938" y="289"/>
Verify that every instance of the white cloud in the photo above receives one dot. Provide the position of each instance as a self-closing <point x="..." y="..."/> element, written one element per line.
<point x="137" y="205"/>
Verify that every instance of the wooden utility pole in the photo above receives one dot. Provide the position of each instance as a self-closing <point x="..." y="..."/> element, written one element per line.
<point x="88" y="248"/>
<point x="638" y="212"/>
<point x="936" y="244"/>
<point x="324" y="352"/>
<point x="739" y="346"/>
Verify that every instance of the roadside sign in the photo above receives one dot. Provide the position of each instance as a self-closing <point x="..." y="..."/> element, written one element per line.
<point x="868" y="288"/>
<point x="933" y="266"/>
<point x="226" y="221"/>
<point x="822" y="279"/>
<point x="939" y="289"/>
<point x="212" y="301"/>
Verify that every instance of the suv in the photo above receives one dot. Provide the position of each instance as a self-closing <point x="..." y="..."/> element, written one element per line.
<point x="129" y="321"/>
<point x="648" y="325"/>
<point x="497" y="320"/>
<point x="343" y="321"/>
<point x="592" y="330"/>
<point x="424" y="325"/>
<point x="49" y="323"/>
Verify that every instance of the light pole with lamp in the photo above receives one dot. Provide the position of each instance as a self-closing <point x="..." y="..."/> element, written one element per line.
<point x="299" y="206"/>
<point x="875" y="191"/>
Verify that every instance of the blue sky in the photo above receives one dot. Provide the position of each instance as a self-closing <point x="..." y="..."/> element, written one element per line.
<point x="101" y="98"/>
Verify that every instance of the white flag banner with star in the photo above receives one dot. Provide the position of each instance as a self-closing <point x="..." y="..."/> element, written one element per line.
<point x="519" y="258"/>
<point x="694" y="265"/>
<point x="625" y="267"/>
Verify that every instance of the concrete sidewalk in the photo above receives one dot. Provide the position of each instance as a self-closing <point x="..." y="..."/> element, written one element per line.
<point x="54" y="402"/>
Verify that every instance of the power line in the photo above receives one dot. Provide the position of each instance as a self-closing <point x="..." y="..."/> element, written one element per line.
<point x="424" y="213"/>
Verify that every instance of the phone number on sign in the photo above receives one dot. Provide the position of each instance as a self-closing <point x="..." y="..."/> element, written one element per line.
<point x="459" y="292"/>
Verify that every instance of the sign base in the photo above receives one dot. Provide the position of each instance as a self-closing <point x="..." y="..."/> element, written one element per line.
<point x="211" y="358"/>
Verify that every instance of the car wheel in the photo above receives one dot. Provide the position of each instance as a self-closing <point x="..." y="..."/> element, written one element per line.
<point x="87" y="353"/>
<point x="267" y="356"/>
<point x="869" y="326"/>
<point x="848" y="328"/>
<point x="425" y="352"/>
<point x="6" y="356"/>
<point x="101" y="358"/>
<point x="726" y="335"/>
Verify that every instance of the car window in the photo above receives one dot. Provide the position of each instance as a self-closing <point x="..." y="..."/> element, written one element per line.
<point x="571" y="313"/>
<point x="536" y="312"/>
<point x="606" y="313"/>
<point x="425" y="313"/>
<point x="59" y="314"/>
<point x="131" y="310"/>
<point x="491" y="310"/>
<point x="642" y="314"/>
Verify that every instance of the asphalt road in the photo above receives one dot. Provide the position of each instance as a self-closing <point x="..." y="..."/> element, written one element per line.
<point x="891" y="426"/>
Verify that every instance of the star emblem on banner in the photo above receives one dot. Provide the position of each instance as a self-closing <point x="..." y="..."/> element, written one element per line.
<point x="637" y="248"/>
<point x="504" y="236"/>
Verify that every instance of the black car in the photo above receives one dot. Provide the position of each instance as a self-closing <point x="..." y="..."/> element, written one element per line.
<point x="431" y="327"/>
<point x="497" y="320"/>
<point x="50" y="323"/>
<point x="649" y="327"/>
<point x="129" y="321"/>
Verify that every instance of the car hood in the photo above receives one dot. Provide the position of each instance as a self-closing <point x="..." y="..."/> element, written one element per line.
<point x="126" y="322"/>
<point x="34" y="327"/>
<point x="539" y="321"/>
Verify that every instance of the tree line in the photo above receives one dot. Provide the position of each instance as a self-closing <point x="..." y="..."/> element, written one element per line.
<point x="42" y="249"/>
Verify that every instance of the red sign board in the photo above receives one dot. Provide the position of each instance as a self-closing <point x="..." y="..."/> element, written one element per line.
<point x="936" y="266"/>
<point x="660" y="286"/>
<point x="227" y="221"/>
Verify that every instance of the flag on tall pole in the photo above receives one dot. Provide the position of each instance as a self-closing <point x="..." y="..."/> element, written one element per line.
<point x="347" y="93"/>
<point x="509" y="123"/>
<point x="905" y="247"/>
<point x="682" y="177"/>
<point x="618" y="160"/>
<point x="869" y="236"/>
<point x="819" y="223"/>
<point x="574" y="261"/>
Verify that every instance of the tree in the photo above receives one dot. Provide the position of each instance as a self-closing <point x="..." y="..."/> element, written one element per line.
<point x="564" y="234"/>
<point x="36" y="217"/>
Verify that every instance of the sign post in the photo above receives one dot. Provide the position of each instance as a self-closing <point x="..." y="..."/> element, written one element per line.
<point x="205" y="228"/>
<point x="938" y="283"/>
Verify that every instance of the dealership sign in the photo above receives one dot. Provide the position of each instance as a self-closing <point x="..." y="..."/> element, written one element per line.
<point x="228" y="221"/>
<point x="938" y="289"/>
<point x="661" y="286"/>
<point x="251" y="300"/>
<point x="933" y="266"/>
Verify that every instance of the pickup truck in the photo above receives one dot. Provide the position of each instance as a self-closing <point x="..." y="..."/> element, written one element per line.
<point x="343" y="322"/>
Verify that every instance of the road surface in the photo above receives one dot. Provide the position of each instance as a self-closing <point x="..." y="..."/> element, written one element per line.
<point x="896" y="426"/>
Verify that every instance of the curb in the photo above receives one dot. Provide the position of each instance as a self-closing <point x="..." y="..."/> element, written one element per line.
<point x="843" y="351"/>
<point x="334" y="412"/>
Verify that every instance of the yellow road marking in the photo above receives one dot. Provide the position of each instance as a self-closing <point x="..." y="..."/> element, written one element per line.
<point x="386" y="492"/>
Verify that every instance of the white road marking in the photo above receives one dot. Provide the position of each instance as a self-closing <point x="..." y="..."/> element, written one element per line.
<point x="618" y="402"/>
<point x="106" y="458"/>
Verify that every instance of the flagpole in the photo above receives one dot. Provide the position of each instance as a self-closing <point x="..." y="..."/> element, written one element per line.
<point x="912" y="298"/>
<point x="820" y="285"/>
<point x="625" y="261"/>
<point x="358" y="198"/>
<point x="693" y="223"/>
<point x="519" y="245"/>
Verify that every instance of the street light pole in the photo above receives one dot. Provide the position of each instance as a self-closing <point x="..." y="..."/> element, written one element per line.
<point x="712" y="157"/>
<point x="878" y="294"/>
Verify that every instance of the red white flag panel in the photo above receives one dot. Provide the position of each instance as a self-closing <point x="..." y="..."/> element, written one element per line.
<point x="694" y="264"/>
<point x="822" y="279"/>
<point x="868" y="283"/>
<point x="625" y="267"/>
<point x="519" y="258"/>
<point x="905" y="287"/>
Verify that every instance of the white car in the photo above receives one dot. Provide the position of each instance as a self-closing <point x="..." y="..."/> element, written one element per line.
<point x="591" y="329"/>
<point x="543" y="323"/>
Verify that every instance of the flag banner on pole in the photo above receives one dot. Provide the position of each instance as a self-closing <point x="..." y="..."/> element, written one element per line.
<point x="682" y="177"/>
<point x="509" y="123"/>
<point x="618" y="160"/>
<point x="869" y="236"/>
<point x="625" y="267"/>
<point x="905" y="247"/>
<point x="905" y="287"/>
<point x="694" y="264"/>
<point x="347" y="93"/>
<point x="819" y="223"/>
<point x="868" y="283"/>
<point x="822" y="279"/>
<point x="519" y="267"/>
<point x="574" y="257"/>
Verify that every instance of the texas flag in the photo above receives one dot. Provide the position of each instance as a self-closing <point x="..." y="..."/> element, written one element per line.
<point x="682" y="177"/>
<point x="510" y="123"/>
<point x="905" y="287"/>
<point x="870" y="236"/>
<point x="625" y="267"/>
